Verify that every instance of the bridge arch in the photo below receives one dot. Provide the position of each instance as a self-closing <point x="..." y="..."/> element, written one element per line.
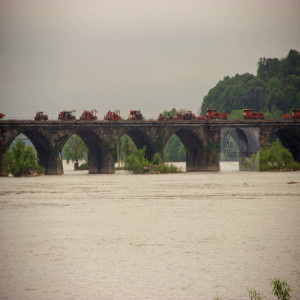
<point x="238" y="144"/>
<point x="195" y="148"/>
<point x="47" y="158"/>
<point x="174" y="150"/>
<point x="141" y="139"/>
<point x="289" y="137"/>
<point x="100" y="156"/>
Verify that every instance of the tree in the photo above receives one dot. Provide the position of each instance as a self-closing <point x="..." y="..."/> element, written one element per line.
<point x="268" y="68"/>
<point x="75" y="149"/>
<point x="275" y="95"/>
<point x="174" y="149"/>
<point x="236" y="114"/>
<point x="173" y="112"/>
<point x="276" y="87"/>
<point x="136" y="161"/>
<point x="275" y="158"/>
<point x="126" y="146"/>
<point x="21" y="161"/>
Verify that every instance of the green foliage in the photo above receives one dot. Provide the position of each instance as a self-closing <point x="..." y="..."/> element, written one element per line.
<point x="275" y="89"/>
<point x="75" y="149"/>
<point x="137" y="163"/>
<point x="281" y="289"/>
<point x="83" y="166"/>
<point x="250" y="163"/>
<point x="274" y="114"/>
<point x="21" y="161"/>
<point x="236" y="114"/>
<point x="156" y="159"/>
<point x="173" y="112"/>
<point x="277" y="158"/>
<point x="268" y="68"/>
<point x="254" y="295"/>
<point x="126" y="147"/>
<point x="174" y="149"/>
<point x="236" y="93"/>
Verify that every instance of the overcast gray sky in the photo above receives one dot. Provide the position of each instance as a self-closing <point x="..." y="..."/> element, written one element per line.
<point x="133" y="54"/>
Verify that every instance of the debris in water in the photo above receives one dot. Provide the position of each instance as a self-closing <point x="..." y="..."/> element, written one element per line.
<point x="292" y="182"/>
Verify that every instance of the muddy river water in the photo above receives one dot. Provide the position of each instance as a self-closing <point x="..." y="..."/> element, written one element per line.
<point x="174" y="236"/>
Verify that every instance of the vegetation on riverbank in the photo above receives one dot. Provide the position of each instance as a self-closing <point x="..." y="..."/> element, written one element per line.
<point x="138" y="164"/>
<point x="21" y="161"/>
<point x="280" y="289"/>
<point x="275" y="89"/>
<point x="277" y="158"/>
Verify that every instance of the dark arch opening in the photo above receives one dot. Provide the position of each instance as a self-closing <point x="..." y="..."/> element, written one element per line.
<point x="125" y="147"/>
<point x="140" y="140"/>
<point x="174" y="150"/>
<point x="100" y="155"/>
<point x="239" y="148"/>
<point x="75" y="152"/>
<point x="24" y="139"/>
<point x="194" y="148"/>
<point x="289" y="139"/>
<point x="229" y="153"/>
<point x="40" y="145"/>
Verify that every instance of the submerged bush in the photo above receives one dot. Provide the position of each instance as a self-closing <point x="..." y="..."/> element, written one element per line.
<point x="281" y="289"/>
<point x="83" y="166"/>
<point x="254" y="295"/>
<point x="277" y="158"/>
<point x="21" y="161"/>
<point x="137" y="163"/>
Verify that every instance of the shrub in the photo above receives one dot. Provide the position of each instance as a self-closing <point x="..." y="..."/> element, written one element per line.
<point x="254" y="295"/>
<point x="277" y="158"/>
<point x="281" y="289"/>
<point x="137" y="163"/>
<point x="156" y="159"/>
<point x="21" y="161"/>
<point x="84" y="166"/>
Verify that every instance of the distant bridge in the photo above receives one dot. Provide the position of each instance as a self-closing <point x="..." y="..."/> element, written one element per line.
<point x="201" y="139"/>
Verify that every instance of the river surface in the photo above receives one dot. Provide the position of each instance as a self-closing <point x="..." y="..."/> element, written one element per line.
<point x="173" y="236"/>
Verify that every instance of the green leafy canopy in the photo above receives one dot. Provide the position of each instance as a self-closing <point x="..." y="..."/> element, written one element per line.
<point x="274" y="90"/>
<point x="21" y="161"/>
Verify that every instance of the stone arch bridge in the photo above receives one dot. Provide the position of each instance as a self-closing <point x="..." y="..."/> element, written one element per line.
<point x="201" y="139"/>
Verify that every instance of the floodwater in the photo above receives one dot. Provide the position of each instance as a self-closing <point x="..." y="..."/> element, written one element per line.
<point x="173" y="236"/>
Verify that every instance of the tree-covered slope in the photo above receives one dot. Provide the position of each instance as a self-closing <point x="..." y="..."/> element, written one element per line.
<point x="275" y="89"/>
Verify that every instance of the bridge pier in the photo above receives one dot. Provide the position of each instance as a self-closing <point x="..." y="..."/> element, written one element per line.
<point x="107" y="164"/>
<point x="210" y="164"/>
<point x="94" y="163"/>
<point x="53" y="165"/>
<point x="206" y="160"/>
<point x="2" y="168"/>
<point x="101" y="163"/>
